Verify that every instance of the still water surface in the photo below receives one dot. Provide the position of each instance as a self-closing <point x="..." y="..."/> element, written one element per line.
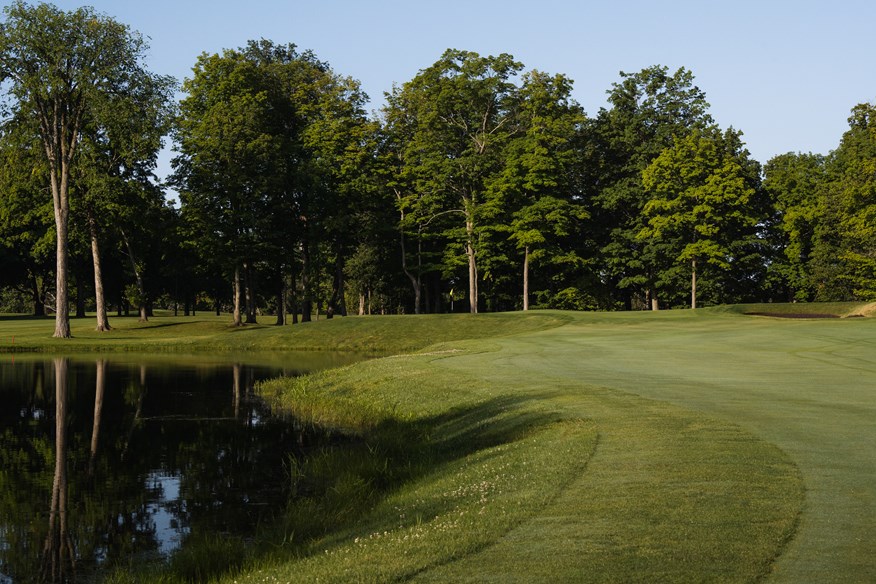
<point x="109" y="461"/>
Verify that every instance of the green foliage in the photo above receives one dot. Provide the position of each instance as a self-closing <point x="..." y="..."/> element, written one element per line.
<point x="648" y="111"/>
<point x="700" y="202"/>
<point x="792" y="182"/>
<point x="845" y="257"/>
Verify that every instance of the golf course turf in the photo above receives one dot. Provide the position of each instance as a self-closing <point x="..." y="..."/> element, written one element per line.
<point x="679" y="446"/>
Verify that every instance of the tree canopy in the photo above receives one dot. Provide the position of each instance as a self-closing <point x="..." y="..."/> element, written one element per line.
<point x="478" y="181"/>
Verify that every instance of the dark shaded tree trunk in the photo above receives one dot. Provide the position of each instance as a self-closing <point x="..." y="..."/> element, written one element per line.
<point x="249" y="280"/>
<point x="306" y="297"/>
<point x="526" y="278"/>
<point x="138" y="277"/>
<point x="36" y="295"/>
<point x="80" y="294"/>
<point x="237" y="321"/>
<point x="281" y="304"/>
<point x="337" y="303"/>
<point x="693" y="283"/>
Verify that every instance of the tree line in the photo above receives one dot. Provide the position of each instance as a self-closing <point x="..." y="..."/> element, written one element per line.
<point x="479" y="185"/>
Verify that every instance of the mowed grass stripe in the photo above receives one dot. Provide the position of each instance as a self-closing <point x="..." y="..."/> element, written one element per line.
<point x="807" y="386"/>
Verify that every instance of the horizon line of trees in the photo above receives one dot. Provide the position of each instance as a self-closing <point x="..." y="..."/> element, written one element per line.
<point x="479" y="186"/>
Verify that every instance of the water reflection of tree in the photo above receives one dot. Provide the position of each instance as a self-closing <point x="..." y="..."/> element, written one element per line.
<point x="61" y="451"/>
<point x="59" y="557"/>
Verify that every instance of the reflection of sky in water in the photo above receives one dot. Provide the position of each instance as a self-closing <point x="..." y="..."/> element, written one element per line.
<point x="168" y="531"/>
<point x="4" y="579"/>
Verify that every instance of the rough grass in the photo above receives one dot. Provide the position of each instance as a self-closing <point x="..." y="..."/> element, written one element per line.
<point x="676" y="446"/>
<point x="371" y="335"/>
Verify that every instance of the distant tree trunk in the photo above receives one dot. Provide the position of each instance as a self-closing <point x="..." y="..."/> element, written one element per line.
<point x="472" y="266"/>
<point x="655" y="303"/>
<point x="36" y="295"/>
<point x="693" y="283"/>
<point x="138" y="277"/>
<point x="337" y="303"/>
<point x="237" y="293"/>
<point x="306" y="296"/>
<point x="249" y="281"/>
<point x="415" y="280"/>
<point x="526" y="278"/>
<point x="99" y="298"/>
<point x="361" y="304"/>
<point x="281" y="300"/>
<point x="80" y="294"/>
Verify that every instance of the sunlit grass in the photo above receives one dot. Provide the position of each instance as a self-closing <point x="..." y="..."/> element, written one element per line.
<point x="676" y="446"/>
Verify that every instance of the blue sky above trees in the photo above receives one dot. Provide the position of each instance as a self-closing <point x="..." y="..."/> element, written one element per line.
<point x="786" y="73"/>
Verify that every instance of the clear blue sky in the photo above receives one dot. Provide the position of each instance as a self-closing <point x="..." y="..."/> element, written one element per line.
<point x="784" y="72"/>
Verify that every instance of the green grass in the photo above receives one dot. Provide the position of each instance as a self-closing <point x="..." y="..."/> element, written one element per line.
<point x="676" y="446"/>
<point x="372" y="335"/>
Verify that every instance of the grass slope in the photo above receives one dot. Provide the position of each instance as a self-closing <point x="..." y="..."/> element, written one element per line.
<point x="673" y="447"/>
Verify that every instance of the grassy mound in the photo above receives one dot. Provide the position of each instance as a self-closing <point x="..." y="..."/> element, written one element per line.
<point x="605" y="487"/>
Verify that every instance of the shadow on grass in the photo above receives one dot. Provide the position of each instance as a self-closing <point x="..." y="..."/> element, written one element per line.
<point x="334" y="489"/>
<point x="24" y="318"/>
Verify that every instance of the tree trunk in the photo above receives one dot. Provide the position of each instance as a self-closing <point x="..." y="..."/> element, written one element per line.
<point x="249" y="281"/>
<point x="415" y="280"/>
<point x="237" y="294"/>
<point x="138" y="277"/>
<point x="693" y="283"/>
<point x="99" y="298"/>
<point x="655" y="304"/>
<point x="281" y="301"/>
<point x="526" y="278"/>
<point x="39" y="307"/>
<point x="361" y="304"/>
<point x="306" y="296"/>
<point x="472" y="267"/>
<point x="80" y="294"/>
<point x="341" y="303"/>
<point x="61" y="205"/>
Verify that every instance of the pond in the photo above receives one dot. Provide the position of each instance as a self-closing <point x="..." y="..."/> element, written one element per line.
<point x="110" y="461"/>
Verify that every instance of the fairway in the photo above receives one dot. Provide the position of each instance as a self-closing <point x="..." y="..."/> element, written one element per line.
<point x="807" y="386"/>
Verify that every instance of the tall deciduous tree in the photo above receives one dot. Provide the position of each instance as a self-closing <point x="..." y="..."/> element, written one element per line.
<point x="118" y="154"/>
<point x="699" y="201"/>
<point x="539" y="180"/>
<point x="792" y="183"/>
<point x="58" y="67"/>
<point x="844" y="261"/>
<point x="648" y="110"/>
<point x="461" y="113"/>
